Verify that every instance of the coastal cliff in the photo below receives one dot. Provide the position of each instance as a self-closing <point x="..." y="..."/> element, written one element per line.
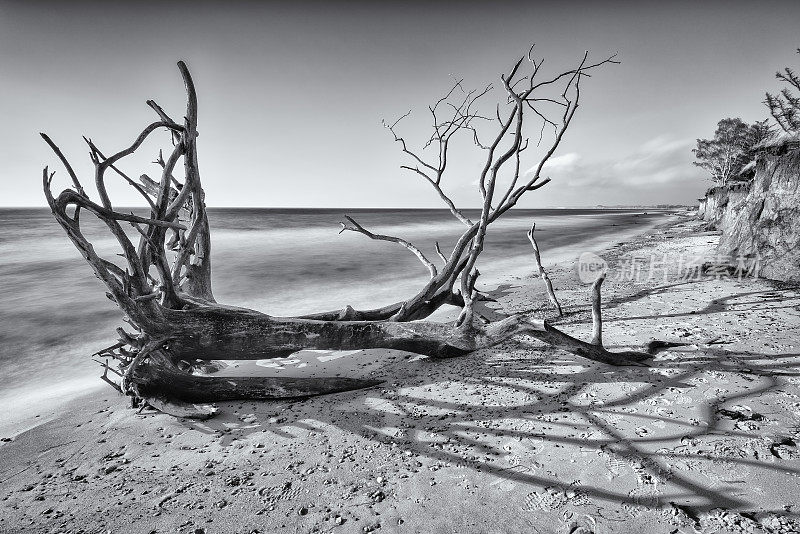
<point x="761" y="219"/>
<point x="722" y="203"/>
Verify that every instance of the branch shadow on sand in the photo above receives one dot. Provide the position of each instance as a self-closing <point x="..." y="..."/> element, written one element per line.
<point x="702" y="429"/>
<point x="508" y="415"/>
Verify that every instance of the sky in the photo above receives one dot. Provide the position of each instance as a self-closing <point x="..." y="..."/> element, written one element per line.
<point x="292" y="94"/>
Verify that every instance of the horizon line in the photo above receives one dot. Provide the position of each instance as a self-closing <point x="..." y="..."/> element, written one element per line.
<point x="595" y="206"/>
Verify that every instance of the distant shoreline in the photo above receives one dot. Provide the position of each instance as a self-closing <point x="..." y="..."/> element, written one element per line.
<point x="327" y="209"/>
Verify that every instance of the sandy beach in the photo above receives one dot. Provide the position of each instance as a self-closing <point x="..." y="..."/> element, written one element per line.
<point x="518" y="438"/>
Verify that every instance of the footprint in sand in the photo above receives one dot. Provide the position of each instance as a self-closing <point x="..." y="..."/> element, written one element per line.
<point x="648" y="471"/>
<point x="643" y="499"/>
<point x="554" y="498"/>
<point x="586" y="525"/>
<point x="279" y="493"/>
<point x="615" y="466"/>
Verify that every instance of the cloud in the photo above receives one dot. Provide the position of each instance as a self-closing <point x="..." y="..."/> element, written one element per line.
<point x="658" y="171"/>
<point x="565" y="162"/>
<point x="661" y="161"/>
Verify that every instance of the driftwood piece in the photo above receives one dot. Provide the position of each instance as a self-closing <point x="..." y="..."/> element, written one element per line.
<point x="169" y="302"/>
<point x="597" y="312"/>
<point x="551" y="294"/>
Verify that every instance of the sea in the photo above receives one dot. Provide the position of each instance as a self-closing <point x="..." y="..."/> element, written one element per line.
<point x="54" y="313"/>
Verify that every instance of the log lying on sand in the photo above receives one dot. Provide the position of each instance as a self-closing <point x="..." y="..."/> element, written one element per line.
<point x="250" y="335"/>
<point x="213" y="333"/>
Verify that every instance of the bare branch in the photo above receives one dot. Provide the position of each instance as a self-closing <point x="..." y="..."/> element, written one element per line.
<point x="102" y="166"/>
<point x="542" y="273"/>
<point x="402" y="142"/>
<point x="356" y="227"/>
<point x="443" y="131"/>
<point x="441" y="255"/>
<point x="581" y="69"/>
<point x="457" y="213"/>
<point x="133" y="184"/>
<point x="164" y="117"/>
<point x="54" y="147"/>
<point x="112" y="276"/>
<point x="71" y="197"/>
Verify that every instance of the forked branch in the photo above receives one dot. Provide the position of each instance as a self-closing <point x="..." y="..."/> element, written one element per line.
<point x="354" y="226"/>
<point x="167" y="199"/>
<point x="553" y="101"/>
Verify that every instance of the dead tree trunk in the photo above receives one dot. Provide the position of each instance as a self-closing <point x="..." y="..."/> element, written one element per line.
<point x="164" y="288"/>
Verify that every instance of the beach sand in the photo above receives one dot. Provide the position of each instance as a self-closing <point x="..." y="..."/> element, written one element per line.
<point x="518" y="438"/>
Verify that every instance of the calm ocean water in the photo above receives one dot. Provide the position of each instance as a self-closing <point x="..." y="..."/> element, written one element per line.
<point x="54" y="314"/>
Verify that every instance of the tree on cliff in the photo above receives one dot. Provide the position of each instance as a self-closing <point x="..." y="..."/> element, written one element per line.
<point x="730" y="149"/>
<point x="785" y="106"/>
<point x="760" y="131"/>
<point x="163" y="284"/>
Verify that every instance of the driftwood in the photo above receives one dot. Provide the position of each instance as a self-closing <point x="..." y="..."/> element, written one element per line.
<point x="163" y="283"/>
<point x="551" y="294"/>
<point x="597" y="312"/>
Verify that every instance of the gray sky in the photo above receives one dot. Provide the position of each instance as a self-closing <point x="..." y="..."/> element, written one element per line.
<point x="292" y="94"/>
